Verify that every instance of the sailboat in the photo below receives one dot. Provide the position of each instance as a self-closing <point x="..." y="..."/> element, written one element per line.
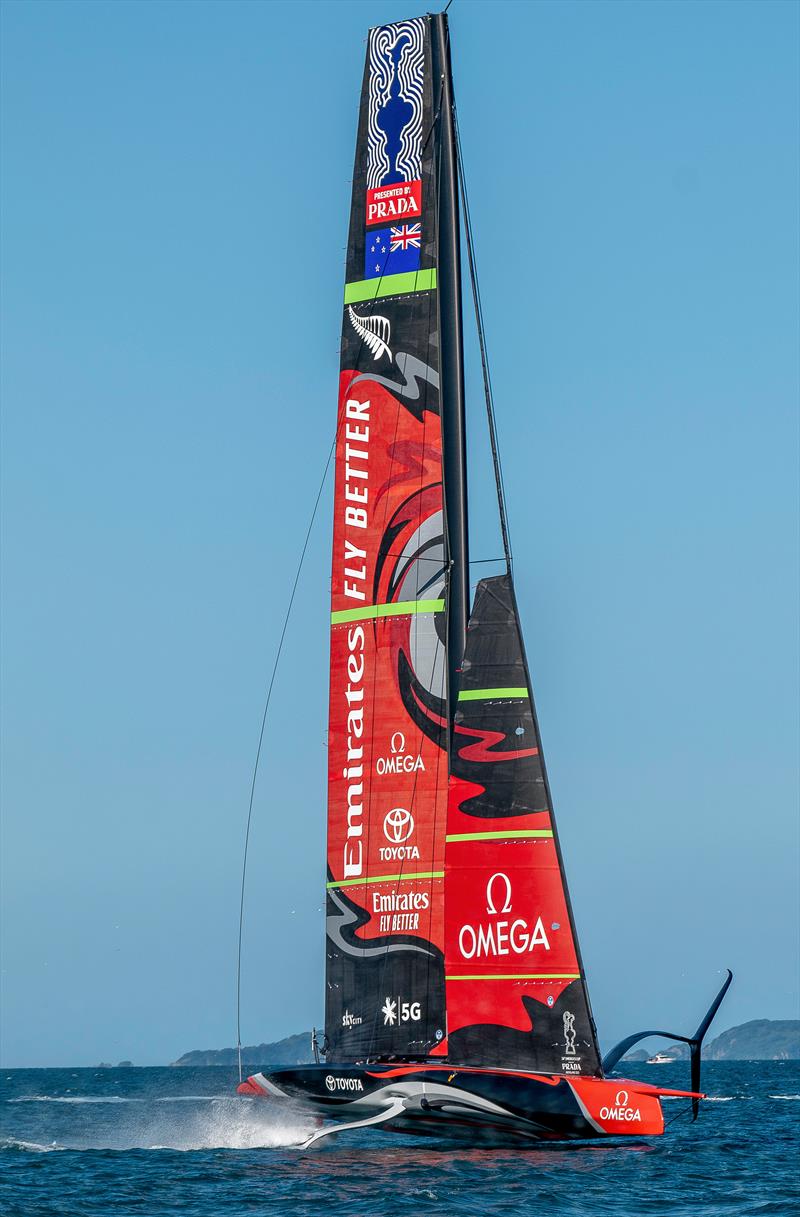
<point x="456" y="997"/>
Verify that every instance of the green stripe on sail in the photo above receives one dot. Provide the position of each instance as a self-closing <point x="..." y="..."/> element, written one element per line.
<point x="521" y="976"/>
<point x="500" y="836"/>
<point x="370" y="611"/>
<point x="390" y="285"/>
<point x="429" y="874"/>
<point x="490" y="694"/>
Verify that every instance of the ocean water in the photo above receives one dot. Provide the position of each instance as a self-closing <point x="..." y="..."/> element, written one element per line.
<point x="119" y="1142"/>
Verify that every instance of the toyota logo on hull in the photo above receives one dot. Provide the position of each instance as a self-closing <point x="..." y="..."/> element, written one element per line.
<point x="333" y="1083"/>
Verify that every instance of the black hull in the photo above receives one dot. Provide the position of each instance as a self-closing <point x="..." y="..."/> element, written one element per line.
<point x="481" y="1104"/>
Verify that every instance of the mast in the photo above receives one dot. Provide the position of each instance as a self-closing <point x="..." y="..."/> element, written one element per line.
<point x="452" y="360"/>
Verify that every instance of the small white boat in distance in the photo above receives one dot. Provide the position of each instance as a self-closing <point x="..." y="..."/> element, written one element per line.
<point x="660" y="1059"/>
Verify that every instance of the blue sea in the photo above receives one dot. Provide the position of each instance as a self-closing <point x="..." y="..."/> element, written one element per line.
<point x="144" y="1142"/>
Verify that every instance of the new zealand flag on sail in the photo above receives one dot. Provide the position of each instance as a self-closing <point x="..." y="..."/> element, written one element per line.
<point x="390" y="251"/>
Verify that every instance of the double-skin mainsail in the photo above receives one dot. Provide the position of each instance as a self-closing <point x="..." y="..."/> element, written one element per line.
<point x="449" y="929"/>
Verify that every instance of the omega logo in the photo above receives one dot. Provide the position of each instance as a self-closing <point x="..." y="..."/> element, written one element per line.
<point x="398" y="760"/>
<point x="490" y="906"/>
<point x="502" y="936"/>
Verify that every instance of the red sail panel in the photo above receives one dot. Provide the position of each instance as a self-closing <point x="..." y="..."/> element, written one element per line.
<point x="387" y="739"/>
<point x="516" y="994"/>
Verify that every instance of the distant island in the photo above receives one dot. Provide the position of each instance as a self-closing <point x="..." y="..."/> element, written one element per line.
<point x="293" y="1050"/>
<point x="763" y="1039"/>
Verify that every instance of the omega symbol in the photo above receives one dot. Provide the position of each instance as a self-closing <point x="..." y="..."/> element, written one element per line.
<point x="490" y="905"/>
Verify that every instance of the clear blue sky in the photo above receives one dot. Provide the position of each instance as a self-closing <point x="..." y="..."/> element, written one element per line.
<point x="175" y="204"/>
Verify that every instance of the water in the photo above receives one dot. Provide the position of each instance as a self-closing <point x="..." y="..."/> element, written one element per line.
<point x="120" y="1142"/>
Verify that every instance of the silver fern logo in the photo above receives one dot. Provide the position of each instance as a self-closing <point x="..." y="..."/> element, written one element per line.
<point x="374" y="331"/>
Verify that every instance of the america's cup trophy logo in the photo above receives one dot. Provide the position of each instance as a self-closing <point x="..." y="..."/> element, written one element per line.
<point x="569" y="1034"/>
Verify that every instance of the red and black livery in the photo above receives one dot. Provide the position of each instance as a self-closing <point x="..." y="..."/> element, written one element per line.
<point x="456" y="998"/>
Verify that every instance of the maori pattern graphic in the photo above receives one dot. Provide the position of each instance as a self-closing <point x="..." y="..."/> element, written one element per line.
<point x="396" y="83"/>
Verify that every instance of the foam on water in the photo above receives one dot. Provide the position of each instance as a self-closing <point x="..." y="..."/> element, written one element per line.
<point x="50" y="1098"/>
<point x="177" y="1122"/>
<point x="222" y="1124"/>
<point x="186" y="1098"/>
<point x="28" y="1147"/>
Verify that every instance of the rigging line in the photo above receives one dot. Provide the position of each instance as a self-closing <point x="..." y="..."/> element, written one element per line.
<point x="487" y="379"/>
<point x="684" y="1111"/>
<point x="258" y="751"/>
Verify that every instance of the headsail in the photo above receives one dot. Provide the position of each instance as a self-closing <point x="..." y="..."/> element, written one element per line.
<point x="516" y="995"/>
<point x="387" y="740"/>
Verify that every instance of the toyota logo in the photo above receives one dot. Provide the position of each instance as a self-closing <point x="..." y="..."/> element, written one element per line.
<point x="398" y="825"/>
<point x="330" y="1082"/>
<point x="622" y="1098"/>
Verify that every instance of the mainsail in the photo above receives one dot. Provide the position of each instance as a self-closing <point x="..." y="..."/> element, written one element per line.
<point x="388" y="769"/>
<point x="449" y="930"/>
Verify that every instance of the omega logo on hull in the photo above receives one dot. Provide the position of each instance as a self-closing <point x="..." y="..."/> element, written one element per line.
<point x="621" y="1110"/>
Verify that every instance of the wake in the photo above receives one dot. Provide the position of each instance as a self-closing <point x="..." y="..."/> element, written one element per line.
<point x="225" y="1124"/>
<point x="181" y="1123"/>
